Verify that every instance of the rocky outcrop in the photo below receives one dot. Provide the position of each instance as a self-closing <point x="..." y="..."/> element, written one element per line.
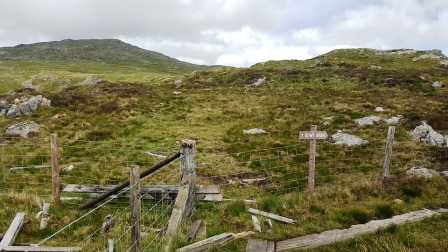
<point x="369" y="120"/>
<point x="422" y="172"/>
<point x="23" y="106"/>
<point x="431" y="54"/>
<point x="347" y="140"/>
<point x="91" y="80"/>
<point x="426" y="134"/>
<point x="23" y="129"/>
<point x="437" y="84"/>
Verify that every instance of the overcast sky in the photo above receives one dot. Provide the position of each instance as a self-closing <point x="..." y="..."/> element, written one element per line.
<point x="232" y="32"/>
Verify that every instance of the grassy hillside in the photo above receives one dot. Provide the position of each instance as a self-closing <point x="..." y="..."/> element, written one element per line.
<point x="214" y="106"/>
<point x="60" y="64"/>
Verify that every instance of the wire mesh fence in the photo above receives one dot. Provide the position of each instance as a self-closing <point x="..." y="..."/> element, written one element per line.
<point x="282" y="170"/>
<point x="26" y="167"/>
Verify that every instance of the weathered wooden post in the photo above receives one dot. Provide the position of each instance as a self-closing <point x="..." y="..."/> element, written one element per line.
<point x="312" y="135"/>
<point x="55" y="169"/>
<point x="136" y="208"/>
<point x="184" y="204"/>
<point x="388" y="155"/>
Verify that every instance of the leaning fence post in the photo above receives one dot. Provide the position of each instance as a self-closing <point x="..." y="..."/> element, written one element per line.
<point x="388" y="155"/>
<point x="136" y="208"/>
<point x="55" y="169"/>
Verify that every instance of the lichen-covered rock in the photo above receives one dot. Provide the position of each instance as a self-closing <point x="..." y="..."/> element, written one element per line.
<point x="422" y="172"/>
<point x="23" y="129"/>
<point x="347" y="139"/>
<point x="14" y="111"/>
<point x="369" y="120"/>
<point x="379" y="109"/>
<point x="426" y="134"/>
<point x="437" y="84"/>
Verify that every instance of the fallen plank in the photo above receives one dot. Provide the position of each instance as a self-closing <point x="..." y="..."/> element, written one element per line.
<point x="331" y="236"/>
<point x="39" y="249"/>
<point x="213" y="241"/>
<point x="254" y="245"/>
<point x="256" y="223"/>
<point x="13" y="230"/>
<point x="272" y="216"/>
<point x="169" y="192"/>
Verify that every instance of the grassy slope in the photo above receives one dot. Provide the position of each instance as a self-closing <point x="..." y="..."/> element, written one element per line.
<point x="214" y="106"/>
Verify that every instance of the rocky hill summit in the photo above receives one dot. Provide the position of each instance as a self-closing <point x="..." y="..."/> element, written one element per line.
<point x="91" y="50"/>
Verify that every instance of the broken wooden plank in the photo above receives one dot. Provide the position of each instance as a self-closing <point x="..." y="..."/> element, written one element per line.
<point x="39" y="249"/>
<point x="255" y="245"/>
<point x="336" y="235"/>
<point x="210" y="242"/>
<point x="256" y="223"/>
<point x="45" y="216"/>
<point x="193" y="230"/>
<point x="272" y="216"/>
<point x="13" y="230"/>
<point x="251" y="181"/>
<point x="168" y="192"/>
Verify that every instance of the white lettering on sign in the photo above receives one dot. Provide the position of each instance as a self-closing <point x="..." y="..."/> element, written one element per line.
<point x="313" y="135"/>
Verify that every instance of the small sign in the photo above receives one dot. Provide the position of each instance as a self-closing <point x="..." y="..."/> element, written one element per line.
<point x="309" y="135"/>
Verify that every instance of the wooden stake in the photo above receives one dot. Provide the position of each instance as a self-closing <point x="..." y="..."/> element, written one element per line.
<point x="136" y="208"/>
<point x="387" y="158"/>
<point x="55" y="169"/>
<point x="312" y="162"/>
<point x="44" y="217"/>
<point x="110" y="242"/>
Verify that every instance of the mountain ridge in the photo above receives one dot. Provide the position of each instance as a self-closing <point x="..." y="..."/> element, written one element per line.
<point x="112" y="51"/>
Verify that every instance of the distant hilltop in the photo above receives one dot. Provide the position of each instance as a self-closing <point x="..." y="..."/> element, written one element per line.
<point x="112" y="51"/>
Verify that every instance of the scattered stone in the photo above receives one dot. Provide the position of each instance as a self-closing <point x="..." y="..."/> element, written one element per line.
<point x="426" y="134"/>
<point x="14" y="111"/>
<point x="379" y="109"/>
<point x="398" y="201"/>
<point x="259" y="81"/>
<point x="395" y="52"/>
<point x="422" y="172"/>
<point x="326" y="123"/>
<point x="91" y="80"/>
<point x="444" y="174"/>
<point x="69" y="168"/>
<point x="177" y="92"/>
<point x="369" y="120"/>
<point x="393" y="120"/>
<point x="376" y="67"/>
<point x="347" y="140"/>
<point x="29" y="84"/>
<point x="255" y="131"/>
<point x="430" y="55"/>
<point x="177" y="82"/>
<point x="437" y="84"/>
<point x="23" y="106"/>
<point x="23" y="129"/>
<point x="444" y="62"/>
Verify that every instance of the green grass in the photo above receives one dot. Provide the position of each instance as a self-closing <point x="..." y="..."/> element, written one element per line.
<point x="106" y="127"/>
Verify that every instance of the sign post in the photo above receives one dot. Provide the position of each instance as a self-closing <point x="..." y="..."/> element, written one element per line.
<point x="312" y="135"/>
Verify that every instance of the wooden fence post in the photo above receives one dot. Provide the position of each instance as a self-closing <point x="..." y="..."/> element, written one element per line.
<point x="312" y="162"/>
<point x="184" y="204"/>
<point x="387" y="158"/>
<point x="136" y="208"/>
<point x="55" y="169"/>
